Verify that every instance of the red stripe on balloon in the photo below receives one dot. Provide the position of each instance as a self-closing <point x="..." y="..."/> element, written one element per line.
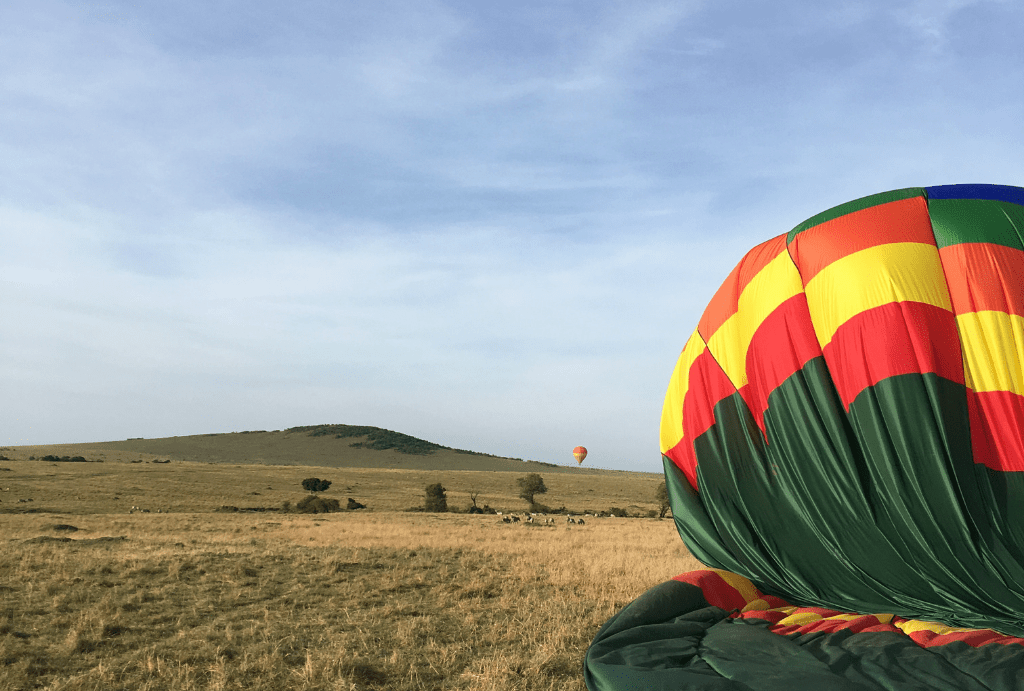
<point x="974" y="638"/>
<point x="997" y="429"/>
<point x="717" y="591"/>
<point x="707" y="386"/>
<point x="896" y="338"/>
<point x="782" y="344"/>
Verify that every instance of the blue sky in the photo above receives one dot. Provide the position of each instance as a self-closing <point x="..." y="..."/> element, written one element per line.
<point x="490" y="225"/>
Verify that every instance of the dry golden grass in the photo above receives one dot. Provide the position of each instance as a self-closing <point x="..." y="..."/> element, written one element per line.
<point x="342" y="601"/>
<point x="116" y="486"/>
<point x="377" y="599"/>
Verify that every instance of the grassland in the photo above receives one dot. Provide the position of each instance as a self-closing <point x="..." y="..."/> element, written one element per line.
<point x="372" y="599"/>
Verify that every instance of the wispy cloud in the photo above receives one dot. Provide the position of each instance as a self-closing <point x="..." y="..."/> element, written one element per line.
<point x="490" y="226"/>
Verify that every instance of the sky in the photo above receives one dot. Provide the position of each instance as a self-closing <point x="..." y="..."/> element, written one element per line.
<point x="490" y="225"/>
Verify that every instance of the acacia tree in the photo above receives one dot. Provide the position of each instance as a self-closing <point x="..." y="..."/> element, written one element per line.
<point x="437" y="500"/>
<point x="530" y="486"/>
<point x="661" y="497"/>
<point x="315" y="484"/>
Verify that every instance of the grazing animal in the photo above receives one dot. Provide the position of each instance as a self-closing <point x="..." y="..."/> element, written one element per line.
<point x="515" y="519"/>
<point x="580" y="522"/>
<point x="506" y="519"/>
<point x="570" y="519"/>
<point x="530" y="519"/>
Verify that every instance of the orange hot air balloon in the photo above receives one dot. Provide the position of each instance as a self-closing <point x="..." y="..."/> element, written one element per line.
<point x="580" y="452"/>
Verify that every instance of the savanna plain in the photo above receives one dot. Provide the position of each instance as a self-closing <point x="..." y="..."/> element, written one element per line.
<point x="194" y="594"/>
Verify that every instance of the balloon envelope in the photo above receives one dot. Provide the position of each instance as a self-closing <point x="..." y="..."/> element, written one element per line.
<point x="580" y="452"/>
<point x="843" y="433"/>
<point x="844" y="427"/>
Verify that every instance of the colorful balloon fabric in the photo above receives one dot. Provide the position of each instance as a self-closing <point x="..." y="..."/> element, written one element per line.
<point x="845" y="430"/>
<point x="716" y="630"/>
<point x="579" y="453"/>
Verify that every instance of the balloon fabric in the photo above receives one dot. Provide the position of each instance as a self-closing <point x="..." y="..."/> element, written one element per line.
<point x="845" y="427"/>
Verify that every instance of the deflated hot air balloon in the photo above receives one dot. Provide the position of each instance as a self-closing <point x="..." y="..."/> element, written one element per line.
<point x="579" y="453"/>
<point x="843" y="442"/>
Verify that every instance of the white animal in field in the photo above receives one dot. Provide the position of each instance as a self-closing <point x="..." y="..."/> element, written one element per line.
<point x="530" y="519"/>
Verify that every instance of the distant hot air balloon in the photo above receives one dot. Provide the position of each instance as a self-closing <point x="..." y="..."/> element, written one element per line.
<point x="580" y="452"/>
<point x="843" y="444"/>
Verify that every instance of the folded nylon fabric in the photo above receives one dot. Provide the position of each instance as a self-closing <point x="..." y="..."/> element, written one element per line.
<point x="713" y="629"/>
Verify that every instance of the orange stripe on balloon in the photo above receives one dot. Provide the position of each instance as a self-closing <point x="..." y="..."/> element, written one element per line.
<point x="726" y="299"/>
<point x="984" y="277"/>
<point x="905" y="220"/>
<point x="896" y="338"/>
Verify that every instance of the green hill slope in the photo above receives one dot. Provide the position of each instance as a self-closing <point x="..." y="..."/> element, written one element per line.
<point x="334" y="446"/>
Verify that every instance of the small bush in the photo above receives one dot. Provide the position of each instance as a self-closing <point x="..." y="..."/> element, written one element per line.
<point x="66" y="459"/>
<point x="617" y="512"/>
<point x="315" y="504"/>
<point x="354" y="505"/>
<point x="437" y="500"/>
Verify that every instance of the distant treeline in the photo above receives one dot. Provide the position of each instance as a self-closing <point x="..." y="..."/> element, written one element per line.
<point x="67" y="459"/>
<point x="379" y="439"/>
<point x="382" y="439"/>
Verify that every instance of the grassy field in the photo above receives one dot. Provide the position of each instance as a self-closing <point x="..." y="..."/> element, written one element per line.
<point x="114" y="487"/>
<point x="374" y="599"/>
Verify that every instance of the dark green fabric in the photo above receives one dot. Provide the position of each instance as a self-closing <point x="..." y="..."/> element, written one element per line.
<point x="670" y="638"/>
<point x="881" y="509"/>
<point x="856" y="205"/>
<point x="956" y="221"/>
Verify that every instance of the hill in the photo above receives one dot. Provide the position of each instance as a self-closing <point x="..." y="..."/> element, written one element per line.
<point x="332" y="446"/>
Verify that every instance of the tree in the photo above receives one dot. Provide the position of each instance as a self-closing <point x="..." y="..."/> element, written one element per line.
<point x="437" y="501"/>
<point x="530" y="486"/>
<point x="315" y="484"/>
<point x="661" y="498"/>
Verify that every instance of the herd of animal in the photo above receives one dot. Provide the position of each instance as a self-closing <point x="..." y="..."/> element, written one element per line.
<point x="543" y="520"/>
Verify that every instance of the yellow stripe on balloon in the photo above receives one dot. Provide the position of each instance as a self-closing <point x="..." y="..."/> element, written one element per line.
<point x="672" y="411"/>
<point x="909" y="626"/>
<point x="739" y="583"/>
<point x="897" y="272"/>
<point x="993" y="346"/>
<point x="771" y="286"/>
<point x="799" y="619"/>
